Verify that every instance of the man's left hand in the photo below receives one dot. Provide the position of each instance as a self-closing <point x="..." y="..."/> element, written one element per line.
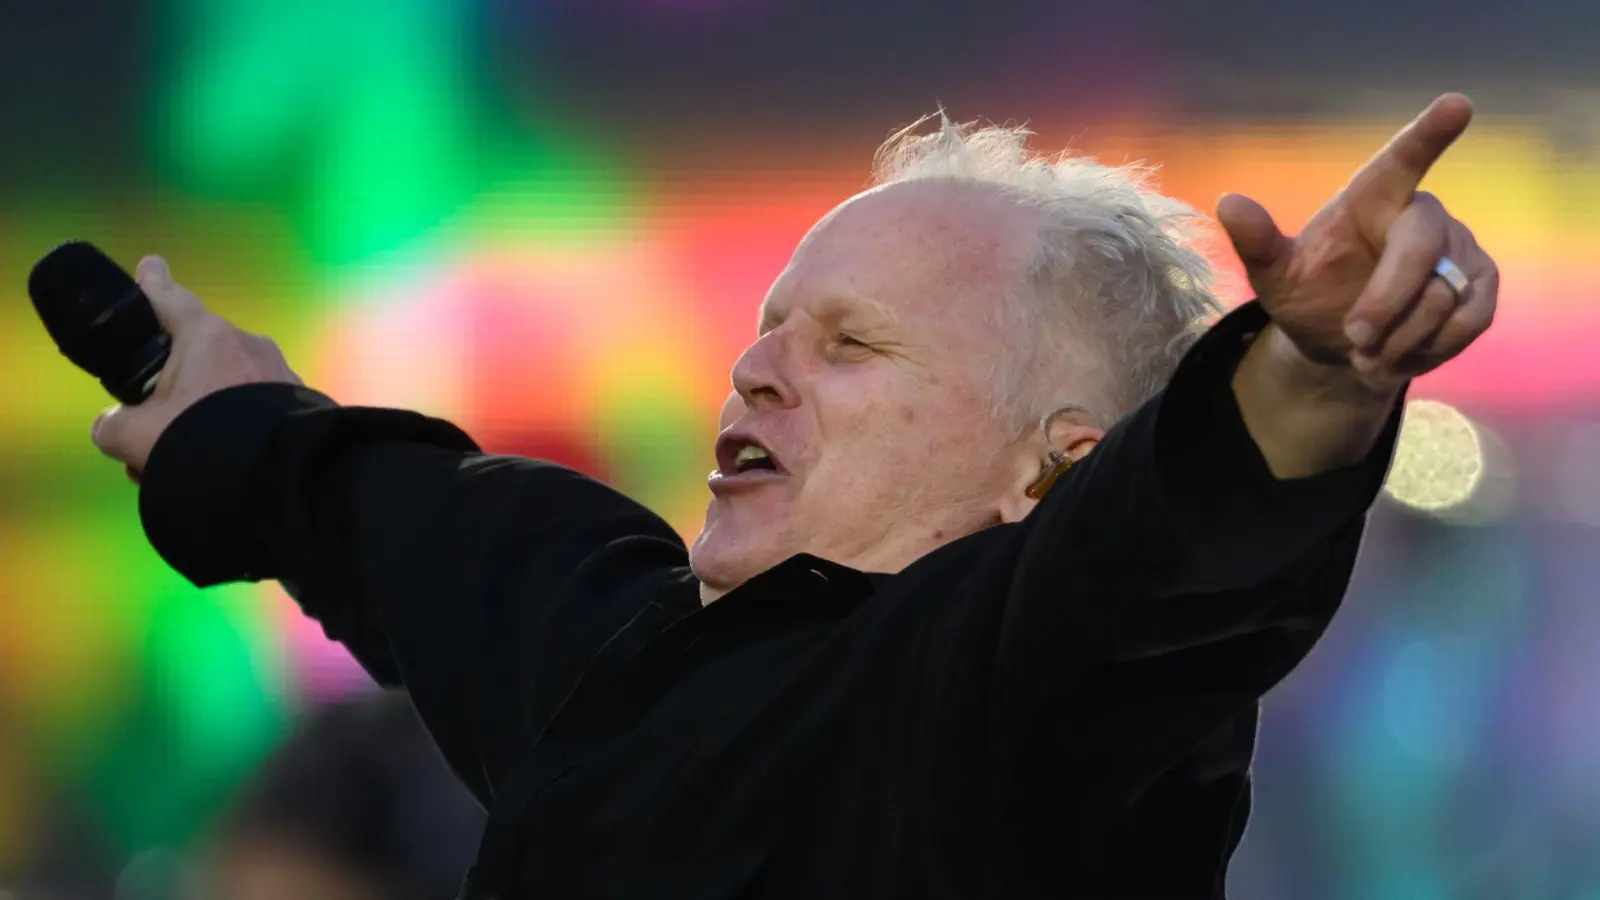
<point x="1356" y="293"/>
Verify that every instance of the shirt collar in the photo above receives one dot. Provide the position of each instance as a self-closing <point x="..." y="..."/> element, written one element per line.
<point x="804" y="585"/>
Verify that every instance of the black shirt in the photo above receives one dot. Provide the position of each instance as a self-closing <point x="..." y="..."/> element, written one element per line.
<point x="1064" y="707"/>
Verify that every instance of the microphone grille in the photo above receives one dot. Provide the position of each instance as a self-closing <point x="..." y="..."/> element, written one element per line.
<point x="73" y="286"/>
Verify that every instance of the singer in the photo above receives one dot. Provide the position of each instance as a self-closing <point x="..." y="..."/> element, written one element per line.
<point x="945" y="633"/>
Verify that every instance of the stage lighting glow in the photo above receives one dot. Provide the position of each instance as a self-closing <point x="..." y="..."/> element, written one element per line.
<point x="1439" y="462"/>
<point x="1496" y="492"/>
<point x="368" y="100"/>
<point x="422" y="226"/>
<point x="1426" y="700"/>
<point x="1574" y="488"/>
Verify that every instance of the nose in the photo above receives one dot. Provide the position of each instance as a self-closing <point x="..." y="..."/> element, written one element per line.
<point x="760" y="377"/>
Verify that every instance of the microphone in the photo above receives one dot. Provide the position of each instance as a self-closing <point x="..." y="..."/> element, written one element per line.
<point x="100" y="319"/>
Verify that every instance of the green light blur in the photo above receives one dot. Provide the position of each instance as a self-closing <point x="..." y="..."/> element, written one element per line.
<point x="360" y="127"/>
<point x="153" y="694"/>
<point x="94" y="577"/>
<point x="206" y="708"/>
<point x="361" y="117"/>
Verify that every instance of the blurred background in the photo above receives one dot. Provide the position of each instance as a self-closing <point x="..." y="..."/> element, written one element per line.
<point x="552" y="221"/>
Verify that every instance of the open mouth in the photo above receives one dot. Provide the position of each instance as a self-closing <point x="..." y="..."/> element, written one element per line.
<point x="737" y="455"/>
<point x="753" y="457"/>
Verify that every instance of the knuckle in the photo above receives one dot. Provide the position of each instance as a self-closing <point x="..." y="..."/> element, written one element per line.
<point x="259" y="356"/>
<point x="210" y="328"/>
<point x="1418" y="238"/>
<point x="265" y="347"/>
<point x="242" y="342"/>
<point x="1424" y="253"/>
<point x="1431" y="208"/>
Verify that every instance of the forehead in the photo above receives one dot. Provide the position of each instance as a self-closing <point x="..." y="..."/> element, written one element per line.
<point x="906" y="252"/>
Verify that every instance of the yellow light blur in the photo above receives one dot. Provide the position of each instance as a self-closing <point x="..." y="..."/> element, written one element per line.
<point x="1439" y="461"/>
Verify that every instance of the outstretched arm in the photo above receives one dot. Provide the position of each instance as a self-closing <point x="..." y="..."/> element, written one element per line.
<point x="1357" y="302"/>
<point x="483" y="584"/>
<point x="1228" y="510"/>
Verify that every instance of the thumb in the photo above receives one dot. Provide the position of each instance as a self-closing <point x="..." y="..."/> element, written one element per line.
<point x="1264" y="250"/>
<point x="176" y="309"/>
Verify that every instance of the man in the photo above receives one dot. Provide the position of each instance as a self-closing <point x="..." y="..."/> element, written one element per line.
<point x="941" y="635"/>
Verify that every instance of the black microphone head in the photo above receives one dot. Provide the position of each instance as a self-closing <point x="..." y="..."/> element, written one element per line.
<point x="73" y="285"/>
<point x="99" y="319"/>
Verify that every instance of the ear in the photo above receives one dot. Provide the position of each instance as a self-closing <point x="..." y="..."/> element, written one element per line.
<point x="1072" y="434"/>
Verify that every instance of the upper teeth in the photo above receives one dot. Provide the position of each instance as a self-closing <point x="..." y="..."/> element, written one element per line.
<point x="749" y="453"/>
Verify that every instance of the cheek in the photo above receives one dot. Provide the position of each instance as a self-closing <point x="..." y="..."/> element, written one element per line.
<point x="948" y="439"/>
<point x="732" y="408"/>
<point x="879" y="419"/>
<point x="896" y="430"/>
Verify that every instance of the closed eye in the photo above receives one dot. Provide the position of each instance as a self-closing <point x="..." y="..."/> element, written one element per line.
<point x="845" y="340"/>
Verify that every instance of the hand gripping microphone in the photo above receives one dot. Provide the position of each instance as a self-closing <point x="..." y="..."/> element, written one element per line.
<point x="100" y="319"/>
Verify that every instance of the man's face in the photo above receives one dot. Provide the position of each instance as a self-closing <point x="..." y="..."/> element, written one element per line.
<point x="868" y="389"/>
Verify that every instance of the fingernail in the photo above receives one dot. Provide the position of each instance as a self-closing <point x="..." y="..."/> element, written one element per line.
<point x="1359" y="333"/>
<point x="155" y="268"/>
<point x="94" y="430"/>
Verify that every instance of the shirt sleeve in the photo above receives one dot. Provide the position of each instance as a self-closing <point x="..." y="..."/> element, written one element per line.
<point x="1157" y="593"/>
<point x="1178" y="500"/>
<point x="1172" y="550"/>
<point x="450" y="572"/>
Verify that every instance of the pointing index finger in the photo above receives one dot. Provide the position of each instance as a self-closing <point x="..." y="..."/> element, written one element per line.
<point x="1394" y="173"/>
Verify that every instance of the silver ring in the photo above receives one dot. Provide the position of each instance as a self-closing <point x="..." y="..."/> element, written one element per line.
<point x="1452" y="275"/>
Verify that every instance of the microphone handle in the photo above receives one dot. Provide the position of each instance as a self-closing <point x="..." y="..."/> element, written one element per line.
<point x="136" y="389"/>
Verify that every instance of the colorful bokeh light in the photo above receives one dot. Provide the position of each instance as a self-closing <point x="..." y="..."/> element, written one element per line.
<point x="345" y="177"/>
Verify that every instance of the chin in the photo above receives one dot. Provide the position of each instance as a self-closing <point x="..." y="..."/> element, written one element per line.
<point x="716" y="567"/>
<point x="723" y="558"/>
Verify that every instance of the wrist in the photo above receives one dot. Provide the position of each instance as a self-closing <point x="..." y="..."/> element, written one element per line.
<point x="1307" y="416"/>
<point x="1318" y="382"/>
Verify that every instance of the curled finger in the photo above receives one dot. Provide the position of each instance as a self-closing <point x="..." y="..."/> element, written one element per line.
<point x="106" y="431"/>
<point x="1412" y="245"/>
<point x="1417" y="329"/>
<point x="1470" y="319"/>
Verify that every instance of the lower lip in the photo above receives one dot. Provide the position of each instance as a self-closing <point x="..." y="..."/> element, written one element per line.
<point x="720" y="483"/>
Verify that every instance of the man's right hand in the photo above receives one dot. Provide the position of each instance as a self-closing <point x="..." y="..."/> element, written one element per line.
<point x="208" y="354"/>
